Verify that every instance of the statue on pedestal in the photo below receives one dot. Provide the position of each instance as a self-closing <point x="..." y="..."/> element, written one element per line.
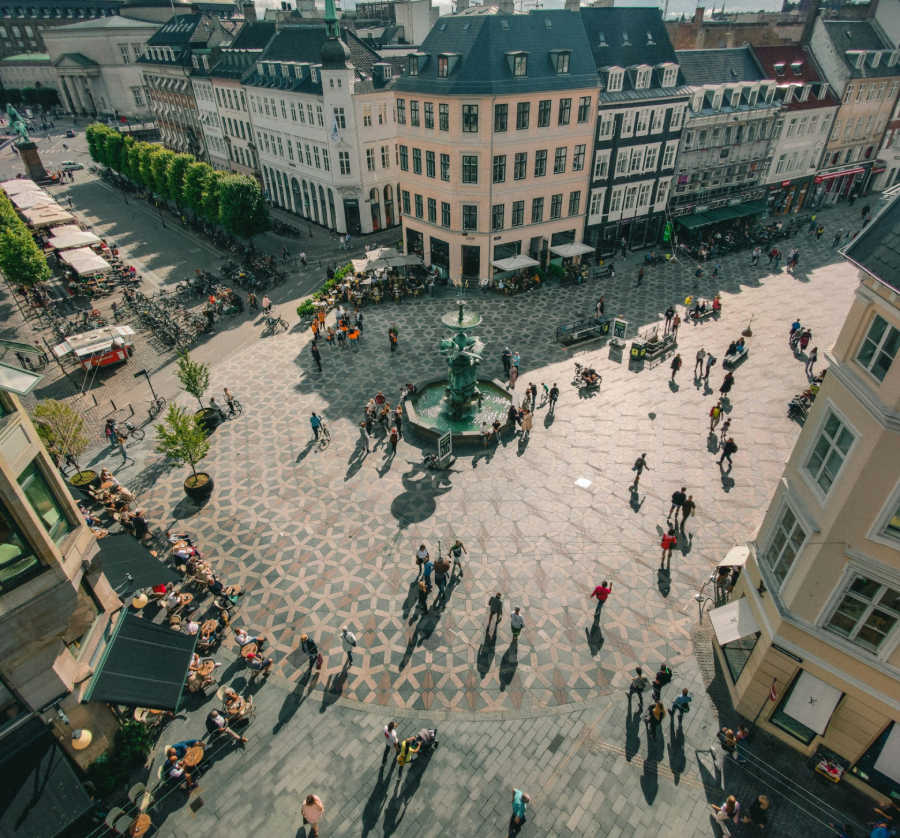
<point x="17" y="124"/>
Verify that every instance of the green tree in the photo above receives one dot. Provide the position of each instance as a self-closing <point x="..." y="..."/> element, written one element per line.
<point x="194" y="184"/>
<point x="92" y="135"/>
<point x="8" y="216"/>
<point x="21" y="260"/>
<point x="211" y="196"/>
<point x="115" y="144"/>
<point x="181" y="439"/>
<point x="193" y="375"/>
<point x="129" y="155"/>
<point x="160" y="169"/>
<point x="242" y="210"/>
<point x="176" y="174"/>
<point x="62" y="427"/>
<point x="147" y="153"/>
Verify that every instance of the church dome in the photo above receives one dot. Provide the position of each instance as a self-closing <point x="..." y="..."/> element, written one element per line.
<point x="335" y="55"/>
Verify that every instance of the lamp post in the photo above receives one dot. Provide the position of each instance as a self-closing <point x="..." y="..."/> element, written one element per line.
<point x="81" y="738"/>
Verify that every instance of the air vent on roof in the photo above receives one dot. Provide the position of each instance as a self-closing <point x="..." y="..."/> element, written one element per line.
<point x="602" y="40"/>
<point x="548" y="23"/>
<point x="734" y="72"/>
<point x="779" y="69"/>
<point x="504" y="25"/>
<point x="466" y="26"/>
<point x="650" y="41"/>
<point x="443" y="27"/>
<point x="625" y="41"/>
<point x="796" y="67"/>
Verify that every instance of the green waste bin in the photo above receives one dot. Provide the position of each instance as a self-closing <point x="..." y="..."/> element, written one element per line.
<point x="603" y="326"/>
<point x="638" y="349"/>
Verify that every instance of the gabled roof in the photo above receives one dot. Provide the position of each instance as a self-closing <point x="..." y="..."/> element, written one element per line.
<point x="848" y="35"/>
<point x="877" y="249"/>
<point x="791" y="64"/>
<point x="627" y="36"/>
<point x="75" y="58"/>
<point x="481" y="45"/>
<point x="719" y="66"/>
<point x="116" y="22"/>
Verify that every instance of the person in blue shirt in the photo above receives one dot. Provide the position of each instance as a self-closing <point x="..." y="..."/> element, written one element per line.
<point x="315" y="421"/>
<point x="179" y="749"/>
<point x="682" y="704"/>
<point x="520" y="801"/>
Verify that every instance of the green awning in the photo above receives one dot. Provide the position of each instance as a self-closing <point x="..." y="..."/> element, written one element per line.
<point x="145" y="665"/>
<point x="725" y="213"/>
<point x="753" y="207"/>
<point x="695" y="220"/>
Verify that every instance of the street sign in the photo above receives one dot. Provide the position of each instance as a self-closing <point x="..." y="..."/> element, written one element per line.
<point x="445" y="446"/>
<point x="619" y="329"/>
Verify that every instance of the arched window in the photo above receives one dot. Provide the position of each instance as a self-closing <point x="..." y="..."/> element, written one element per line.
<point x="297" y="195"/>
<point x="312" y="188"/>
<point x="331" y="207"/>
<point x="324" y="210"/>
<point x="375" y="208"/>
<point x="306" y="200"/>
<point x="388" y="205"/>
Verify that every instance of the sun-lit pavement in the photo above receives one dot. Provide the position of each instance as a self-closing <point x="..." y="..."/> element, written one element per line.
<point x="322" y="539"/>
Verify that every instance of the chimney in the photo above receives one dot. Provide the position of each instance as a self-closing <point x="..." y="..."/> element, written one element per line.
<point x="573" y="5"/>
<point x="462" y="4"/>
<point x="249" y="12"/>
<point x="506" y="7"/>
<point x="697" y="22"/>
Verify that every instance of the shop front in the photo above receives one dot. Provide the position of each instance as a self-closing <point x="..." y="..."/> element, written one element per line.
<point x="831" y="187"/>
<point x="639" y="232"/>
<point x="440" y="257"/>
<point x="789" y="196"/>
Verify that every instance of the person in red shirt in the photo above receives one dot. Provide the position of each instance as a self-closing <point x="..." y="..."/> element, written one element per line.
<point x="668" y="544"/>
<point x="602" y="593"/>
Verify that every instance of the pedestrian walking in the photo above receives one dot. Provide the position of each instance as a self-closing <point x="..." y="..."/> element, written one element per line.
<point x="727" y="811"/>
<point x="698" y="363"/>
<point x="716" y="268"/>
<point x="527" y="422"/>
<point x="640" y="277"/>
<point x="513" y="375"/>
<point x="554" y="395"/>
<point x="675" y="365"/>
<point x="777" y="258"/>
<point x="819" y="230"/>
<point x="123" y="449"/>
<point x="715" y="413"/>
<point x="837" y="237"/>
<point x="723" y="431"/>
<point x="698" y="274"/>
<point x="316" y="423"/>
<point x="754" y="257"/>
<point x="676" y="322"/>
<point x="520" y="801"/>
<point x="654" y="718"/>
<point x="710" y="363"/>
<point x="391" y="740"/>
<point x="601" y="306"/>
<point x="678" y="498"/>
<point x="423" y="596"/>
<point x="365" y="436"/>
<point x="728" y="449"/>
<point x="792" y="262"/>
<point x="669" y="540"/>
<point x="309" y="648"/>
<point x="393" y="441"/>
<point x="773" y="254"/>
<point x="456" y="550"/>
<point x="758" y="813"/>
<point x="516" y="624"/>
<point x="312" y="811"/>
<point x="682" y="704"/>
<point x="811" y="360"/>
<point x="358" y="319"/>
<point x="742" y="739"/>
<point x="348" y="641"/>
<point x="506" y="358"/>
<point x="688" y="508"/>
<point x="812" y="227"/>
<point x="639" y="465"/>
<point x="532" y="388"/>
<point x="602" y="592"/>
<point x="727" y="383"/>
<point x="266" y="304"/>
<point x="622" y="245"/>
<point x="638" y="685"/>
<point x="670" y="313"/>
<point x="317" y="357"/>
<point x="495" y="609"/>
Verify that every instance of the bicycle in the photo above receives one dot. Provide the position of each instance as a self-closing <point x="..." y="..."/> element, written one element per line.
<point x="156" y="406"/>
<point x="235" y="408"/>
<point x="274" y="323"/>
<point x="130" y="430"/>
<point x="324" y="435"/>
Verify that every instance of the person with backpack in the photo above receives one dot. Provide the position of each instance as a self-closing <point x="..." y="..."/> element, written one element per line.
<point x="727" y="450"/>
<point x="639" y="465"/>
<point x="638" y="685"/>
<point x="654" y="718"/>
<point x="710" y="363"/>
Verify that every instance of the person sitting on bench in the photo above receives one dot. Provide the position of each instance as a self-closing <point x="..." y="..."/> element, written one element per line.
<point x="589" y="377"/>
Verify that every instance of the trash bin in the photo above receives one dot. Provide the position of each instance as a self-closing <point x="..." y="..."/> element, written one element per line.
<point x="638" y="349"/>
<point x="603" y="326"/>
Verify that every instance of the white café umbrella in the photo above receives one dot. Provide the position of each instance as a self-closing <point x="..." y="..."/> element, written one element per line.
<point x="514" y="263"/>
<point x="571" y="249"/>
<point x="381" y="253"/>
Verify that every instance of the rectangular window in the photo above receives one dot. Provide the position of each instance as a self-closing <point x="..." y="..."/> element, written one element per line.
<point x="607" y="124"/>
<point x="414" y="113"/>
<point x="401" y="111"/>
<point x="879" y="348"/>
<point x="627" y="124"/>
<point x="565" y="111"/>
<point x="544" y="113"/>
<point x="537" y="210"/>
<point x="325" y="159"/>
<point x="829" y="452"/>
<point x="344" y="160"/>
<point x="406" y="205"/>
<point x="470" y="119"/>
<point x="497" y="217"/>
<point x="788" y="723"/>
<point x="615" y="200"/>
<point x="320" y="117"/>
<point x="578" y="158"/>
<point x="540" y="163"/>
<point x="521" y="165"/>
<point x="339" y="116"/>
<point x="520" y="65"/>
<point x="657" y="121"/>
<point x="867" y="614"/>
<point x="443" y="67"/>
<point x="644" y="195"/>
<point x="500" y="115"/>
<point x="420" y="208"/>
<point x="429" y="115"/>
<point x="637" y="159"/>
<point x="601" y="164"/>
<point x="429" y="164"/>
<point x="559" y="161"/>
<point x="445" y="214"/>
<point x="650" y="159"/>
<point x="574" y="203"/>
<point x="126" y="56"/>
<point x="44" y="503"/>
<point x="556" y="206"/>
<point x="786" y="543"/>
<point x="584" y="108"/>
<point x="669" y="156"/>
<point x="661" y="191"/>
<point x="630" y="197"/>
<point x="444" y="117"/>
<point x="432" y="211"/>
<point x="417" y="161"/>
<point x="280" y="149"/>
<point x="643" y="121"/>
<point x="445" y="167"/>
<point x="138" y="96"/>
<point x="470" y="217"/>
<point x="518" y="213"/>
<point x="469" y="169"/>
<point x="499" y="168"/>
<point x="283" y="110"/>
<point x="370" y="159"/>
<point x="367" y="116"/>
<point x="622" y="162"/>
<point x="290" y="150"/>
<point x="18" y="562"/>
<point x="562" y="63"/>
<point x="386" y="157"/>
<point x="316" y="155"/>
<point x="523" y="111"/>
<point x="404" y="159"/>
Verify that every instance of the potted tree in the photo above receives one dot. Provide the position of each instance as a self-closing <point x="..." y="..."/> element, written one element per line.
<point x="61" y="429"/>
<point x="194" y="377"/>
<point x="181" y="438"/>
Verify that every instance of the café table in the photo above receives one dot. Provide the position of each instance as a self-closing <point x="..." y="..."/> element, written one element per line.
<point x="193" y="756"/>
<point x="208" y="627"/>
<point x="249" y="649"/>
<point x="140" y="826"/>
<point x="206" y="668"/>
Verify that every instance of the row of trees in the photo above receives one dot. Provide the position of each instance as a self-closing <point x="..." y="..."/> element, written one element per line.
<point x="21" y="260"/>
<point x="234" y="202"/>
<point x="35" y="97"/>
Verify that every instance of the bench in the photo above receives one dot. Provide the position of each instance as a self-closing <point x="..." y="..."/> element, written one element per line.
<point x="697" y="318"/>
<point x="731" y="361"/>
<point x="604" y="271"/>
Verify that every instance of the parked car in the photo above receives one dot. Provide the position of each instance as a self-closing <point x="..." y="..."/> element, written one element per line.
<point x="70" y="133"/>
<point x="70" y="166"/>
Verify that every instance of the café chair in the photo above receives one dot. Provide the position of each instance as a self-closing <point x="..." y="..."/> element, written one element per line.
<point x="139" y="795"/>
<point x="123" y="824"/>
<point x="112" y="816"/>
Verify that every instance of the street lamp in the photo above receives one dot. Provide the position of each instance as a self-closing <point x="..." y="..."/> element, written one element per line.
<point x="81" y="738"/>
<point x="140" y="601"/>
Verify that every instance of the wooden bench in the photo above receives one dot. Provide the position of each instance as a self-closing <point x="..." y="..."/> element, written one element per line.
<point x="731" y="361"/>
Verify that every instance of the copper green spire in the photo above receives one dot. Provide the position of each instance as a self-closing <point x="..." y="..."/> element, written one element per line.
<point x="332" y="26"/>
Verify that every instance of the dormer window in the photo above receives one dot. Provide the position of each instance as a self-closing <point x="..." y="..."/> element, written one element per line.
<point x="447" y="63"/>
<point x="736" y="98"/>
<point x="754" y="95"/>
<point x="893" y="58"/>
<point x="615" y="80"/>
<point x="796" y="67"/>
<point x="625" y="41"/>
<point x="314" y="76"/>
<point x="196" y="62"/>
<point x="823" y="90"/>
<point x="804" y="93"/>
<point x="602" y="42"/>
<point x="860" y="61"/>
<point x="562" y="63"/>
<point x="717" y="101"/>
<point x="205" y="62"/>
<point x="788" y="94"/>
<point x="642" y="78"/>
<point x="386" y="73"/>
<point x="875" y="58"/>
<point x="779" y="69"/>
<point x="520" y="64"/>
<point x="413" y="66"/>
<point x="670" y="76"/>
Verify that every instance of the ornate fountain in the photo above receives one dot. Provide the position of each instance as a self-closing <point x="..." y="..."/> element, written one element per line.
<point x="462" y="401"/>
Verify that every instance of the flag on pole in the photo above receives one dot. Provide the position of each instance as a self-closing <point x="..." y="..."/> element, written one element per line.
<point x="773" y="696"/>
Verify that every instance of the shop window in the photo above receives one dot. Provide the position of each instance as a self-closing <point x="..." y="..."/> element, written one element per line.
<point x="879" y="348"/>
<point x="788" y="723"/>
<point x="44" y="503"/>
<point x="737" y="653"/>
<point x="879" y="766"/>
<point x="18" y="562"/>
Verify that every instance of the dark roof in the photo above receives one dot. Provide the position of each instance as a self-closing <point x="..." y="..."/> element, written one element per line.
<point x="179" y="30"/>
<point x="40" y="794"/>
<point x="254" y="36"/>
<point x="482" y="44"/>
<point x="238" y="57"/>
<point x="618" y="36"/>
<point x="848" y="35"/>
<point x="877" y="249"/>
<point x="144" y="665"/>
<point x="788" y="57"/>
<point x="125" y="556"/>
<point x="719" y="66"/>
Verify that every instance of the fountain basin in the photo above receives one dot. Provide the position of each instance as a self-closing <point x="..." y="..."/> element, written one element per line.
<point x="429" y="411"/>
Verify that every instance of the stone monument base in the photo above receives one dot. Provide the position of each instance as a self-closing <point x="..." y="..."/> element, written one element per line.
<point x="31" y="159"/>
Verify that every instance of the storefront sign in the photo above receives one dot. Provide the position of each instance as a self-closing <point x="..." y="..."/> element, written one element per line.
<point x="879" y="171"/>
<point x="786" y="653"/>
<point x="733" y="202"/>
<point x="700" y="208"/>
<point x="619" y="329"/>
<point x="785" y="183"/>
<point x="834" y="175"/>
